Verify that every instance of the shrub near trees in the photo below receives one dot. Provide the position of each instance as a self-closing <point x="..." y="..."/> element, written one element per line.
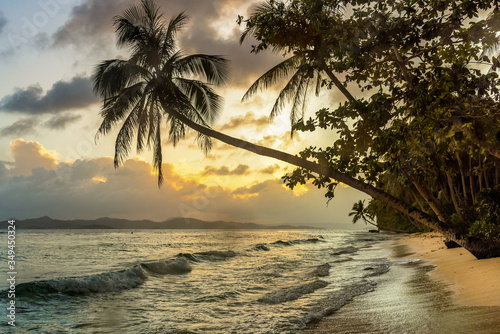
<point x="419" y="127"/>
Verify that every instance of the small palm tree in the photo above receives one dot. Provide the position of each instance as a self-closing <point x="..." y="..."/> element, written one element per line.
<point x="359" y="211"/>
<point x="157" y="82"/>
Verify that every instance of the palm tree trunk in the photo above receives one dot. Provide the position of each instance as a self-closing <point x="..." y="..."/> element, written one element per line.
<point x="471" y="182"/>
<point x="419" y="202"/>
<point x="479" y="248"/>
<point x="432" y="201"/>
<point x="337" y="82"/>
<point x="461" y="167"/>
<point x="480" y="175"/>
<point x="454" y="196"/>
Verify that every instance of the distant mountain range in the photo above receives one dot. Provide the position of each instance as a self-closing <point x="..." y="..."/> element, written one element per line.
<point x="115" y="223"/>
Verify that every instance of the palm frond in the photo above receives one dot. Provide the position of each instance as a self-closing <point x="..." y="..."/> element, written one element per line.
<point x="215" y="69"/>
<point x="124" y="138"/>
<point x="116" y="108"/>
<point x="174" y="25"/>
<point x="204" y="142"/>
<point x="111" y="76"/>
<point x="292" y="92"/>
<point x="278" y="72"/>
<point x="259" y="13"/>
<point x="204" y="100"/>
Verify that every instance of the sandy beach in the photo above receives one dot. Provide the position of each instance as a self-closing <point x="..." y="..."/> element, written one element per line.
<point x="473" y="282"/>
<point x="429" y="289"/>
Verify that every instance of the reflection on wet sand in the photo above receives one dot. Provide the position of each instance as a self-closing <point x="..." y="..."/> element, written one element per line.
<point x="406" y="300"/>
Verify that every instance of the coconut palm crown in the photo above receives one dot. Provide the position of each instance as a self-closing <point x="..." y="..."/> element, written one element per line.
<point x="158" y="82"/>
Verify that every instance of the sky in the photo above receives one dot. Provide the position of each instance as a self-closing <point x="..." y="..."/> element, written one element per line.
<point x="52" y="165"/>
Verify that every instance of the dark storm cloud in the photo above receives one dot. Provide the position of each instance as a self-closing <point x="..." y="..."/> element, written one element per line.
<point x="19" y="128"/>
<point x="90" y="28"/>
<point x="92" y="20"/>
<point x="62" y="96"/>
<point x="60" y="122"/>
<point x="3" y="21"/>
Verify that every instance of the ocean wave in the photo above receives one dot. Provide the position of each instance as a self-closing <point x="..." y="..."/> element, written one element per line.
<point x="322" y="270"/>
<point x="298" y="241"/>
<point x="347" y="259"/>
<point x="345" y="250"/>
<point x="173" y="267"/>
<point x="378" y="268"/>
<point x="216" y="255"/>
<point x="337" y="299"/>
<point x="261" y="247"/>
<point x="291" y="293"/>
<point x="218" y="297"/>
<point x="104" y="282"/>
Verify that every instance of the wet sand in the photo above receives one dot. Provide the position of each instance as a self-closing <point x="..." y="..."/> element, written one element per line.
<point x="414" y="297"/>
<point x="474" y="282"/>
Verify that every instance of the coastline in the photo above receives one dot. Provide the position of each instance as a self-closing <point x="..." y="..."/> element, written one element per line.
<point x="473" y="282"/>
<point x="429" y="289"/>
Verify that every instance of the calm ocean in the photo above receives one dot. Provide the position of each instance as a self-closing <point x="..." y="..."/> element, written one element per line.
<point x="187" y="281"/>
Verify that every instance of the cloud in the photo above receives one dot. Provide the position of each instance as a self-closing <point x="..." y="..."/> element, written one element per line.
<point x="3" y="21"/>
<point x="63" y="95"/>
<point x="281" y="142"/>
<point x="244" y="121"/>
<point x="270" y="169"/>
<point x="20" y="127"/>
<point x="60" y="122"/>
<point x="224" y="170"/>
<point x="35" y="184"/>
<point x="253" y="189"/>
<point x="90" y="22"/>
<point x="29" y="155"/>
<point x="212" y="29"/>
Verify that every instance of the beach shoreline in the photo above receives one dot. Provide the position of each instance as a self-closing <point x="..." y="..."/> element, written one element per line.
<point x="429" y="289"/>
<point x="473" y="282"/>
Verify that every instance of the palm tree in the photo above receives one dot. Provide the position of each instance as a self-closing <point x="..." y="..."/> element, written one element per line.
<point x="359" y="211"/>
<point x="155" y="83"/>
<point x="158" y="84"/>
<point x="308" y="62"/>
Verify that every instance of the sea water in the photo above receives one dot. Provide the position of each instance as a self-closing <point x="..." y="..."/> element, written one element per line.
<point x="187" y="281"/>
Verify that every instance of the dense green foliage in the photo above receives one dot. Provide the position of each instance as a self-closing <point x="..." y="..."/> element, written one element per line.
<point x="420" y="119"/>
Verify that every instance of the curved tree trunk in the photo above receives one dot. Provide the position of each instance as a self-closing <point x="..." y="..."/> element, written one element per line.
<point x="479" y="248"/>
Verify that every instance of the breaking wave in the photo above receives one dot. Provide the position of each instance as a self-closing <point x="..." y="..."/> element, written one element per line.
<point x="105" y="282"/>
<point x="298" y="241"/>
<point x="345" y="250"/>
<point x="322" y="270"/>
<point x="292" y="293"/>
<point x="337" y="299"/>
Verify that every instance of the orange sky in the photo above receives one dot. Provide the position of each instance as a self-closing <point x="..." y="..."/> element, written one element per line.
<point x="51" y="165"/>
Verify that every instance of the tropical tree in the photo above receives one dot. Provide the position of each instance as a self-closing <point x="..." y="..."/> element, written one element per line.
<point x="156" y="83"/>
<point x="360" y="212"/>
<point x="160" y="86"/>
<point x="428" y="97"/>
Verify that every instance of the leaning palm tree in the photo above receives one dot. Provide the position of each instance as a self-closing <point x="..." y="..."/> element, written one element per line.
<point x="158" y="85"/>
<point x="157" y="82"/>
